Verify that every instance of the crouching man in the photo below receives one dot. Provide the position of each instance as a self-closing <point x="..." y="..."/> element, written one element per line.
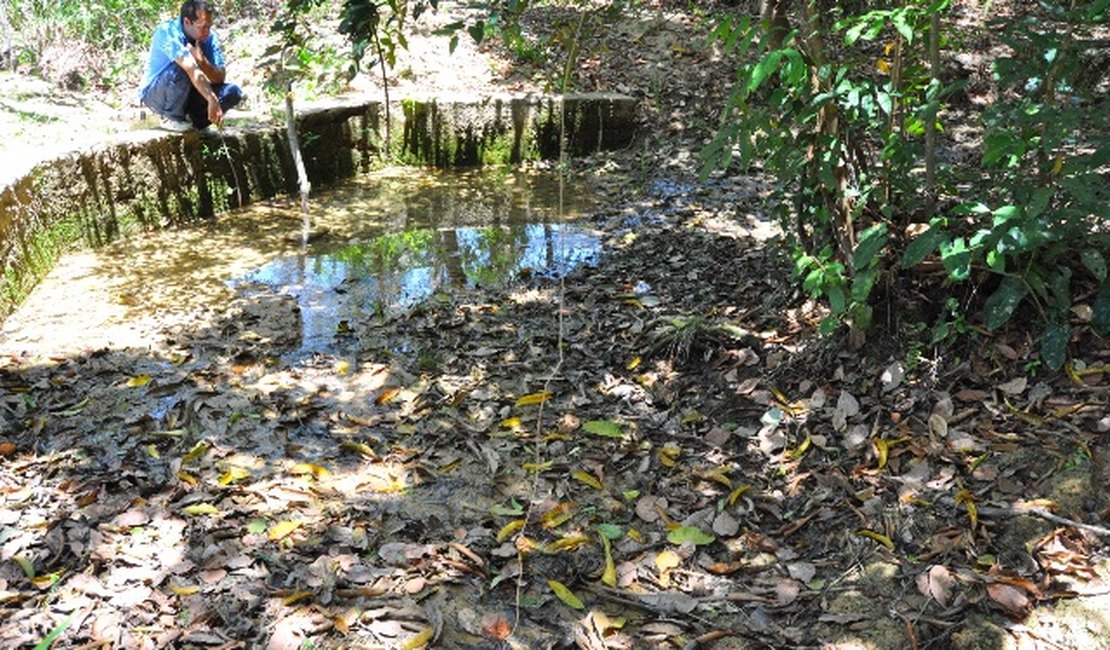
<point x="184" y="81"/>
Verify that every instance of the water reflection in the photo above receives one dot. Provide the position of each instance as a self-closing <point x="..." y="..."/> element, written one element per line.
<point x="398" y="270"/>
<point x="387" y="240"/>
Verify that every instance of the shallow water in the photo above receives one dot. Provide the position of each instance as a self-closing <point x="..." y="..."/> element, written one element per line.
<point x="379" y="243"/>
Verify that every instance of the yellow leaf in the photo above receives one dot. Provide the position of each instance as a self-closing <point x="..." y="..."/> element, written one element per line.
<point x="635" y="536"/>
<point x="634" y="363"/>
<point x="609" y="575"/>
<point x="525" y="544"/>
<point x="878" y="537"/>
<point x="667" y="560"/>
<point x="568" y="543"/>
<point x="883" y="66"/>
<point x="965" y="498"/>
<point x="664" y="562"/>
<point x="152" y="451"/>
<point x="881" y="450"/>
<point x="791" y="408"/>
<point x="802" y="448"/>
<point x="188" y="478"/>
<point x="534" y="398"/>
<point x="583" y="476"/>
<point x="566" y="595"/>
<point x="423" y="638"/>
<point x="668" y="455"/>
<point x="343" y="367"/>
<point x="509" y="528"/>
<point x="538" y="467"/>
<point x="559" y="515"/>
<point x="138" y="381"/>
<point x="386" y="396"/>
<point x="360" y="448"/>
<point x="282" y="529"/>
<point x="1058" y="166"/>
<point x="295" y="597"/>
<point x="197" y="509"/>
<point x="196" y="452"/>
<point x="46" y="580"/>
<point x="719" y="475"/>
<point x="737" y="493"/>
<point x="511" y="423"/>
<point x="232" y="475"/>
<point x="183" y="590"/>
<point x="693" y="418"/>
<point x="316" y="471"/>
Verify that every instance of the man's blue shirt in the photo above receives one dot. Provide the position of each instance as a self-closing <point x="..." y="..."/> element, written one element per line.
<point x="169" y="44"/>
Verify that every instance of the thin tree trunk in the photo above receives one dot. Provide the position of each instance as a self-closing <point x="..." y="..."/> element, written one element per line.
<point x="931" y="119"/>
<point x="298" y="160"/>
<point x="385" y="89"/>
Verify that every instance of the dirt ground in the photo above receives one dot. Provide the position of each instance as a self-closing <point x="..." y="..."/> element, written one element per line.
<point x="657" y="452"/>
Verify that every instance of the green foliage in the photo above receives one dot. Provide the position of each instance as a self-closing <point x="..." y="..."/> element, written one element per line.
<point x="841" y="128"/>
<point x="842" y="134"/>
<point x="1045" y="147"/>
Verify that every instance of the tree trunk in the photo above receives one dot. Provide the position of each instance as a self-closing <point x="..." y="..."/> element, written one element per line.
<point x="931" y="119"/>
<point x="298" y="160"/>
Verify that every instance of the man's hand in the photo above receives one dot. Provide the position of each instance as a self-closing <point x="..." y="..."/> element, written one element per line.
<point x="215" y="113"/>
<point x="198" y="54"/>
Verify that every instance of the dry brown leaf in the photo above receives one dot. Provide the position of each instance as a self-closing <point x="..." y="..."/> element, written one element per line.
<point x="1012" y="599"/>
<point x="937" y="583"/>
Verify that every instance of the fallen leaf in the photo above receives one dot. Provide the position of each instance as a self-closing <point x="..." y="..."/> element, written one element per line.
<point x="583" y="476"/>
<point x="892" y="376"/>
<point x="684" y="534"/>
<point x="609" y="575"/>
<point x="937" y="583"/>
<point x="138" y="381"/>
<point x="878" y="537"/>
<point x="565" y="594"/>
<point x="534" y="398"/>
<point x="282" y="529"/>
<point x="1011" y="598"/>
<point x="603" y="428"/>
<point x="847" y="404"/>
<point x="1015" y="386"/>
<point x="197" y="509"/>
<point x="184" y="590"/>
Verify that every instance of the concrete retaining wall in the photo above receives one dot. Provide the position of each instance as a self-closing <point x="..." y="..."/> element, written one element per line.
<point x="149" y="179"/>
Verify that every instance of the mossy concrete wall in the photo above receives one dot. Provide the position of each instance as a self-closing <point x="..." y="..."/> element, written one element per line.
<point x="145" y="180"/>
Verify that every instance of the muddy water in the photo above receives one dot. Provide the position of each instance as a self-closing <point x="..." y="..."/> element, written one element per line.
<point x="378" y="243"/>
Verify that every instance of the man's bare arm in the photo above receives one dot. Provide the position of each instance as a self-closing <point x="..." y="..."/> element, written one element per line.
<point x="215" y="75"/>
<point x="203" y="85"/>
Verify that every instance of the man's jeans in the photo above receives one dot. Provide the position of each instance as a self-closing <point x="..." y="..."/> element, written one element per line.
<point x="172" y="95"/>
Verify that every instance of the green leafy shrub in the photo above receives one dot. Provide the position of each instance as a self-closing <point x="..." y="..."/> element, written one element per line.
<point x="1040" y="227"/>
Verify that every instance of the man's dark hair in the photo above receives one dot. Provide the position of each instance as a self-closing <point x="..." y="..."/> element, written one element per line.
<point x="190" y="9"/>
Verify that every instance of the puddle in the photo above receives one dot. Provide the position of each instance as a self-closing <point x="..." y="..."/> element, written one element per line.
<point x="381" y="242"/>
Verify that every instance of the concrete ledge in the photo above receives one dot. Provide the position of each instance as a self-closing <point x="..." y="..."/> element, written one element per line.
<point x="144" y="180"/>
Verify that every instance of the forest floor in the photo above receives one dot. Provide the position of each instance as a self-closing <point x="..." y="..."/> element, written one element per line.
<point x="658" y="451"/>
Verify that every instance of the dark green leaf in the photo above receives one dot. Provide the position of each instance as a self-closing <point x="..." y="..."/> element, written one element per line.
<point x="1002" y="303"/>
<point x="1101" y="316"/>
<point x="923" y="245"/>
<point x="763" y="69"/>
<point x="1095" y="263"/>
<point x="871" y="241"/>
<point x="1054" y="345"/>
<point x="956" y="258"/>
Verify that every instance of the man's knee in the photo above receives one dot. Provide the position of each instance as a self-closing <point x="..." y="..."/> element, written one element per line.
<point x="229" y="95"/>
<point x="168" y="94"/>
